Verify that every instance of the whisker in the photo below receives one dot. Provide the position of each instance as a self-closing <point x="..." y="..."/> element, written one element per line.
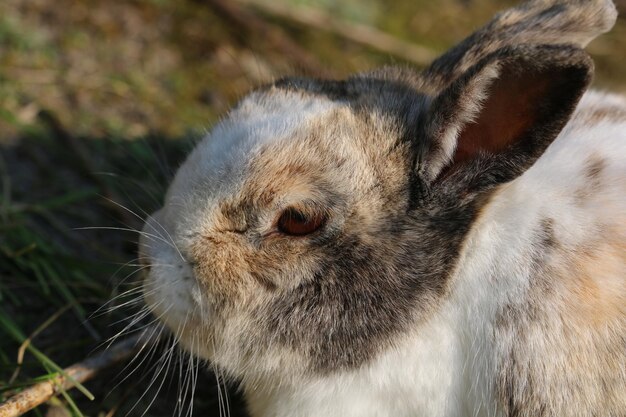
<point x="132" y="319"/>
<point x="194" y="376"/>
<point x="132" y="291"/>
<point x="138" y="300"/>
<point x="159" y="363"/>
<point x="136" y="318"/>
<point x="173" y="244"/>
<point x="178" y="407"/>
<point x="226" y="397"/>
<point x="102" y="309"/>
<point x="152" y="348"/>
<point x="138" y="293"/>
<point x="130" y="229"/>
<point x="182" y="394"/>
<point x="166" y="366"/>
<point x="153" y="196"/>
<point x="181" y="383"/>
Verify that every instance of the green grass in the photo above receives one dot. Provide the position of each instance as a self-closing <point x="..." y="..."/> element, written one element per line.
<point x="56" y="268"/>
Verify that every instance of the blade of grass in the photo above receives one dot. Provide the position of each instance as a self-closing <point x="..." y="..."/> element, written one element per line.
<point x="17" y="386"/>
<point x="73" y="407"/>
<point x="27" y="342"/>
<point x="9" y="326"/>
<point x="61" y="286"/>
<point x="37" y="271"/>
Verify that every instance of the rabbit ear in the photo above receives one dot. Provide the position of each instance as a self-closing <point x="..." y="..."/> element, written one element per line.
<point x="539" y="22"/>
<point x="511" y="105"/>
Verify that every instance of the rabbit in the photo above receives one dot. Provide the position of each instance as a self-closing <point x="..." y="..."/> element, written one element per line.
<point x="450" y="242"/>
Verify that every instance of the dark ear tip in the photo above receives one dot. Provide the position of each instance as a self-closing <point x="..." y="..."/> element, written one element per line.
<point x="545" y="57"/>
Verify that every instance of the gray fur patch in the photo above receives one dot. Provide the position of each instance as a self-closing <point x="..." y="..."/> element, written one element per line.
<point x="593" y="178"/>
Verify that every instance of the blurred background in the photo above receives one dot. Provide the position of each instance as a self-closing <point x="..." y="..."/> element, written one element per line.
<point x="99" y="103"/>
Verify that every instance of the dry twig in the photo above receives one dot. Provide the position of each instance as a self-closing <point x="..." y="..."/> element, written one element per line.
<point x="39" y="393"/>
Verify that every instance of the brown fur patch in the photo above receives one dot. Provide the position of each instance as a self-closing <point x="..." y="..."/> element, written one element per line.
<point x="598" y="287"/>
<point x="596" y="115"/>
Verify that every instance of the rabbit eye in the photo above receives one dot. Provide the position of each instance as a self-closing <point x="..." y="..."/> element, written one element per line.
<point x="295" y="223"/>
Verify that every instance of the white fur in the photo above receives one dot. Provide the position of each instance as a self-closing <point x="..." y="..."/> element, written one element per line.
<point x="220" y="157"/>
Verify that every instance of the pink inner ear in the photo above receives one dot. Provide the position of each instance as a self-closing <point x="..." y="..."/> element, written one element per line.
<point x="510" y="111"/>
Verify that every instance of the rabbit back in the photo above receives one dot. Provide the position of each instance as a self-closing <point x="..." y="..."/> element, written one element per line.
<point x="548" y="257"/>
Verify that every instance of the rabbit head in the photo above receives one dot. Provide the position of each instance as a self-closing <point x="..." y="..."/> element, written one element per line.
<point x="321" y="219"/>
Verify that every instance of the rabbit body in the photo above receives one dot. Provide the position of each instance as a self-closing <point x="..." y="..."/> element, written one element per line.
<point x="534" y="323"/>
<point x="450" y="243"/>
